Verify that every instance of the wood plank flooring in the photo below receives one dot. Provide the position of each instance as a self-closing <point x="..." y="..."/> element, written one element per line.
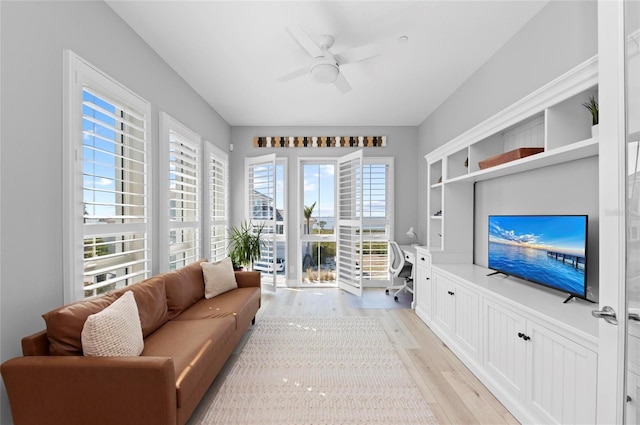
<point x="454" y="394"/>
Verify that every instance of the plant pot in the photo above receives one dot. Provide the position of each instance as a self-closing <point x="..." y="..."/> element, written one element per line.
<point x="595" y="130"/>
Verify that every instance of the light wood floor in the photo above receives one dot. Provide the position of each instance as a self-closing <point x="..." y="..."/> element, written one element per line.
<point x="454" y="394"/>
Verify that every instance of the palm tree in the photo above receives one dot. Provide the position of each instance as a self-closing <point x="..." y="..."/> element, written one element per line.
<point x="308" y="211"/>
<point x="307" y="260"/>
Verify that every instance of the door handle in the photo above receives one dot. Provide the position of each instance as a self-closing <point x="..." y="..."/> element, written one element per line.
<point x="607" y="313"/>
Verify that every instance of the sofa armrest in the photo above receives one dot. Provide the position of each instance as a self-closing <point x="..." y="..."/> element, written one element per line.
<point x="91" y="390"/>
<point x="248" y="279"/>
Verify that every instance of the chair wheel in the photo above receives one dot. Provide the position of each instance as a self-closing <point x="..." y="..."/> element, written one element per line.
<point x="386" y="291"/>
<point x="395" y="299"/>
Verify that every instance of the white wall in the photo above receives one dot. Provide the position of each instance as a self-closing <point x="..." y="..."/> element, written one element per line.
<point x="33" y="37"/>
<point x="401" y="144"/>
<point x="562" y="35"/>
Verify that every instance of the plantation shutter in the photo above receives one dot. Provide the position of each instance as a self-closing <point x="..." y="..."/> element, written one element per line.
<point x="349" y="223"/>
<point x="184" y="196"/>
<point x="218" y="184"/>
<point x="377" y="218"/>
<point x="115" y="199"/>
<point x="261" y="207"/>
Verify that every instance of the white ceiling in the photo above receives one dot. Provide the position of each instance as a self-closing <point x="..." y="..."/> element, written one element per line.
<point x="232" y="54"/>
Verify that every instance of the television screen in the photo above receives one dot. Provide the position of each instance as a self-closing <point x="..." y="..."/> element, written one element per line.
<point x="545" y="249"/>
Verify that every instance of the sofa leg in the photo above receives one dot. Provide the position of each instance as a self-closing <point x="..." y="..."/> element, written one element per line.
<point x="253" y="322"/>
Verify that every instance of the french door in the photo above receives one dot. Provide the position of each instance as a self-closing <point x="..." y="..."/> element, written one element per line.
<point x="349" y="223"/>
<point x="618" y="391"/>
<point x="632" y="96"/>
<point x="318" y="230"/>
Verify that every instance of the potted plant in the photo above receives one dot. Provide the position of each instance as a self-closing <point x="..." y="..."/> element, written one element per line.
<point x="245" y="244"/>
<point x="592" y="107"/>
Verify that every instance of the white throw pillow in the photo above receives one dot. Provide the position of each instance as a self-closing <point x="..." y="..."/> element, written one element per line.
<point x="218" y="277"/>
<point x="115" y="331"/>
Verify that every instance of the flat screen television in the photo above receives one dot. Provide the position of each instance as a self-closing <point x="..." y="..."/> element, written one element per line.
<point x="549" y="250"/>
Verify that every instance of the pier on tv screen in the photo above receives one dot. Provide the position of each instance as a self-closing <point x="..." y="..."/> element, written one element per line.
<point x="545" y="249"/>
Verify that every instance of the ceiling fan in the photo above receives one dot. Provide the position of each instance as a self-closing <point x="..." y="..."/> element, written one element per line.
<point x="325" y="66"/>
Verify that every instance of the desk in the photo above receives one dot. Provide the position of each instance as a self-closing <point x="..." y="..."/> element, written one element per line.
<point x="409" y="253"/>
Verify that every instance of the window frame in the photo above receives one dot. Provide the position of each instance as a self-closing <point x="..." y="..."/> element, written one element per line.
<point x="169" y="124"/>
<point x="213" y="152"/>
<point x="78" y="74"/>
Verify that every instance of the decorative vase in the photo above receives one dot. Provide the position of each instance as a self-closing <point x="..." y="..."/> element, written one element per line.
<point x="595" y="130"/>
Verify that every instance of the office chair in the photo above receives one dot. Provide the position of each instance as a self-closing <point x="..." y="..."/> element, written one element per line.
<point x="399" y="268"/>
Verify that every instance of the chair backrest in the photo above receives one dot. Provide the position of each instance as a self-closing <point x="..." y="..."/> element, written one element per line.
<point x="396" y="262"/>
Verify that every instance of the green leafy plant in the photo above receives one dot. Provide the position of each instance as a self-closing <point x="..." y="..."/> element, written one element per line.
<point x="245" y="244"/>
<point x="592" y="106"/>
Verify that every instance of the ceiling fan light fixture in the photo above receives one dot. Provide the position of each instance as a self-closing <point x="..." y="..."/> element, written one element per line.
<point x="325" y="73"/>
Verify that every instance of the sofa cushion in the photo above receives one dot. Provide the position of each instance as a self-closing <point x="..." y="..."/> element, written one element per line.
<point x="218" y="277"/>
<point x="194" y="346"/>
<point x="115" y="331"/>
<point x="242" y="303"/>
<point x="151" y="298"/>
<point x="184" y="287"/>
<point x="64" y="324"/>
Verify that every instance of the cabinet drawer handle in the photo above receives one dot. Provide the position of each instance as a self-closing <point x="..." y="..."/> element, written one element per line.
<point x="450" y="293"/>
<point x="422" y="258"/>
<point x="523" y="336"/>
<point x="428" y="278"/>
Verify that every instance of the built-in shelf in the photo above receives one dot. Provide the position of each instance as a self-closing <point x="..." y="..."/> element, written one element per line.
<point x="572" y="152"/>
<point x="552" y="118"/>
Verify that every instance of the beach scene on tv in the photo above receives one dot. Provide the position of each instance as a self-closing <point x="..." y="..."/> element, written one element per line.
<point x="546" y="249"/>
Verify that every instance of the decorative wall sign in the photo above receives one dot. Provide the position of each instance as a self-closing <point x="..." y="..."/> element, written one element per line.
<point x="320" y="142"/>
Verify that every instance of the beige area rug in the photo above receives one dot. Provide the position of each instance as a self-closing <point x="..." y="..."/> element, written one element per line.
<point x="338" y="370"/>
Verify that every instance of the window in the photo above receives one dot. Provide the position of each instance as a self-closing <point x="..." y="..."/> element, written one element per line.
<point x="182" y="163"/>
<point x="217" y="190"/>
<point x="106" y="197"/>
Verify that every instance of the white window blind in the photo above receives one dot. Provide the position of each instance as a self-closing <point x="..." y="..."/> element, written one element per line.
<point x="218" y="193"/>
<point x="108" y="134"/>
<point x="183" y="193"/>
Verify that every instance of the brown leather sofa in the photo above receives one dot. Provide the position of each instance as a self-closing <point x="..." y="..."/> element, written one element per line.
<point x="187" y="340"/>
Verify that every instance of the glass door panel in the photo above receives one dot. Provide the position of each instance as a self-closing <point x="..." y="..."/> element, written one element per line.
<point x="318" y="239"/>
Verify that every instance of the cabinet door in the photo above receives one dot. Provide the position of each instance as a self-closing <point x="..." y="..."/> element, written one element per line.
<point x="561" y="377"/>
<point x="505" y="352"/>
<point x="467" y="319"/>
<point x="423" y="287"/>
<point x="444" y="306"/>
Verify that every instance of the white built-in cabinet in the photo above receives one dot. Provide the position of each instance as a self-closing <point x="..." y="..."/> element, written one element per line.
<point x="546" y="370"/>
<point x="536" y="354"/>
<point x="422" y="284"/>
<point x="456" y="311"/>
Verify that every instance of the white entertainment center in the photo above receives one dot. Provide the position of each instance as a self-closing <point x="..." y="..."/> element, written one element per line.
<point x="537" y="354"/>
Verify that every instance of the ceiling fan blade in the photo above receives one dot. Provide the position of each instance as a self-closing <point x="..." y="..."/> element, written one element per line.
<point x="358" y="54"/>
<point x="305" y="41"/>
<point x="342" y="84"/>
<point x="295" y="74"/>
